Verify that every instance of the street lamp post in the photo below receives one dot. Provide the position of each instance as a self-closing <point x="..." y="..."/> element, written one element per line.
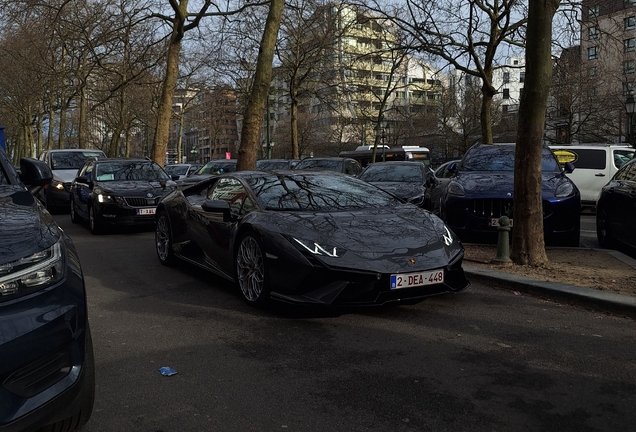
<point x="630" y="107"/>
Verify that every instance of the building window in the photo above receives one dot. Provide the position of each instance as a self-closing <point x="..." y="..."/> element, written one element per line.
<point x="592" y="53"/>
<point x="592" y="11"/>
<point x="629" y="44"/>
<point x="593" y="72"/>
<point x="628" y="88"/>
<point x="592" y="33"/>
<point x="504" y="109"/>
<point x="506" y="93"/>
<point x="506" y="77"/>
<point x="630" y="22"/>
<point x="630" y="3"/>
<point x="629" y="66"/>
<point x="522" y="77"/>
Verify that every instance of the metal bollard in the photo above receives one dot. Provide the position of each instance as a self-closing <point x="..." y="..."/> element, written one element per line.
<point x="503" y="245"/>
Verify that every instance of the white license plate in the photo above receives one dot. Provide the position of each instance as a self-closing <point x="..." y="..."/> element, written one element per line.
<point x="146" y="211"/>
<point x="408" y="280"/>
<point x="495" y="222"/>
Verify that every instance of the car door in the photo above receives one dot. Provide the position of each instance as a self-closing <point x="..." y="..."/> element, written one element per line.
<point x="217" y="233"/>
<point x="81" y="189"/>
<point x="623" y="209"/>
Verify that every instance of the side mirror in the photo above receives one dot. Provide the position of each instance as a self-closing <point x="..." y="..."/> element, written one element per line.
<point x="81" y="179"/>
<point x="453" y="168"/>
<point x="174" y="177"/>
<point x="34" y="172"/>
<point x="568" y="167"/>
<point x="217" y="206"/>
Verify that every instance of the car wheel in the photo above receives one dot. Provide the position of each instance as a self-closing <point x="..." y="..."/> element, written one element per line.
<point x="163" y="240"/>
<point x="80" y="418"/>
<point x="94" y="223"/>
<point x="75" y="218"/>
<point x="603" y="234"/>
<point x="250" y="269"/>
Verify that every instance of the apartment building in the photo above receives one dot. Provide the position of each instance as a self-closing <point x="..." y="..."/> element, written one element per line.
<point x="362" y="77"/>
<point x="210" y="129"/>
<point x="608" y="58"/>
<point x="509" y="79"/>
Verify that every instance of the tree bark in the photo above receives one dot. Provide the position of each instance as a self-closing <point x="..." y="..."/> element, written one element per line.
<point x="164" y="110"/>
<point x="528" y="246"/>
<point x="260" y="89"/>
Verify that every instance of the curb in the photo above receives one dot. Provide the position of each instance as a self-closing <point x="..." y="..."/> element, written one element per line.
<point x="588" y="297"/>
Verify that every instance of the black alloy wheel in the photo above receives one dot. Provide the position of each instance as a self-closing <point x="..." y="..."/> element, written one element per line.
<point x="163" y="240"/>
<point x="251" y="275"/>
<point x="94" y="223"/>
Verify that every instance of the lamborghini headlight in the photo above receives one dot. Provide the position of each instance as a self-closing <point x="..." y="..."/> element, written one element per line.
<point x="417" y="200"/>
<point x="320" y="249"/>
<point x="39" y="270"/>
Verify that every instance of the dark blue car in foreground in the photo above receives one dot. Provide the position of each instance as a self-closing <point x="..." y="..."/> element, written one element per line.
<point x="482" y="190"/>
<point x="47" y="376"/>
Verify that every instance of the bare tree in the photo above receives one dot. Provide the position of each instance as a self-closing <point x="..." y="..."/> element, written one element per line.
<point x="260" y="89"/>
<point x="181" y="22"/>
<point x="527" y="237"/>
<point x="469" y="35"/>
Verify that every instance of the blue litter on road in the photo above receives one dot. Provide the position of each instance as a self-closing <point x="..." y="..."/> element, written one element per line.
<point x="167" y="371"/>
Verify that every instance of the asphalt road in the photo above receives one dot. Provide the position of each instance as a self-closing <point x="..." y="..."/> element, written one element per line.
<point x="482" y="360"/>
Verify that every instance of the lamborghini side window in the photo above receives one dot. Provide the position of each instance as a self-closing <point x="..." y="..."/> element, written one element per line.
<point x="231" y="191"/>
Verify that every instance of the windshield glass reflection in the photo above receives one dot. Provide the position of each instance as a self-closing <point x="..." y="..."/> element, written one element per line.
<point x="318" y="193"/>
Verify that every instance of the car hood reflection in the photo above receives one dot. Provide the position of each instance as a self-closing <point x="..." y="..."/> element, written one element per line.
<point x="495" y="184"/>
<point x="380" y="241"/>
<point x="27" y="229"/>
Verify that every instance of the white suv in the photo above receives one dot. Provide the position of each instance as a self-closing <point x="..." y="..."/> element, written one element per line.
<point x="595" y="165"/>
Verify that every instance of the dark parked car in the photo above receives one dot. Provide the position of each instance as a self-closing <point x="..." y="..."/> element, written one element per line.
<point x="303" y="237"/>
<point x="214" y="167"/>
<point x="111" y="192"/>
<point x="343" y="165"/>
<point x="406" y="180"/>
<point x="442" y="177"/>
<point x="616" y="209"/>
<point x="64" y="165"/>
<point x="275" y="164"/>
<point x="182" y="170"/>
<point x="47" y="373"/>
<point x="482" y="188"/>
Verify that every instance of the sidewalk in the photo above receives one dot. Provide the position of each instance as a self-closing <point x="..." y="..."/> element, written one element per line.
<point x="587" y="297"/>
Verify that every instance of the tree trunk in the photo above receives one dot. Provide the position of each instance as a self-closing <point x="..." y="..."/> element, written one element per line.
<point x="164" y="110"/>
<point x="81" y="128"/>
<point x="294" y="120"/>
<point x="260" y="89"/>
<point x="485" y="118"/>
<point x="49" y="134"/>
<point x="528" y="246"/>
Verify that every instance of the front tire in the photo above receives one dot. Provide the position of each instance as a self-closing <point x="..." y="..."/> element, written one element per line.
<point x="163" y="240"/>
<point x="95" y="224"/>
<point x="251" y="275"/>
